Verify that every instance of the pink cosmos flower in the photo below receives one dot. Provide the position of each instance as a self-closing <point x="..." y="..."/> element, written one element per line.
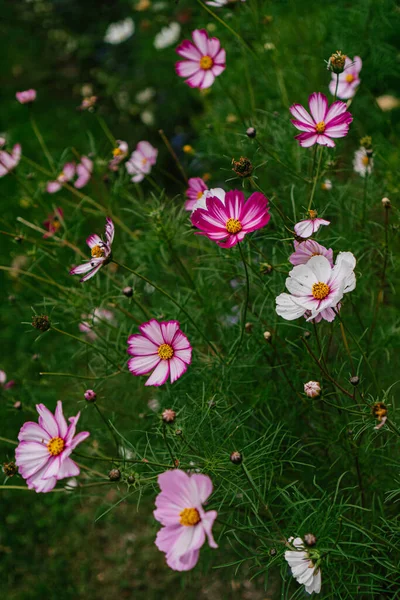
<point x="303" y="251"/>
<point x="185" y="522"/>
<point x="119" y="154"/>
<point x="4" y="384"/>
<point x="66" y="174"/>
<point x="232" y="219"/>
<point x="141" y="161"/>
<point x="213" y="192"/>
<point x="90" y="321"/>
<point x="100" y="251"/>
<point x="312" y="389"/>
<point x="317" y="288"/>
<point x="84" y="172"/>
<point x="349" y="80"/>
<point x="195" y="191"/>
<point x="42" y="456"/>
<point x="323" y="124"/>
<point x="53" y="222"/>
<point x="26" y="97"/>
<point x="205" y="60"/>
<point x="8" y="161"/>
<point x="162" y="347"/>
<point x="308" y="227"/>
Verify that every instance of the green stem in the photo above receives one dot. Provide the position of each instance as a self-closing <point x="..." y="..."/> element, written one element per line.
<point x="337" y="85"/>
<point x="321" y="151"/>
<point x="3" y="439"/>
<point x="245" y="305"/>
<point x="42" y="143"/>
<point x="108" y="425"/>
<point x="164" y="430"/>
<point x="80" y="376"/>
<point x="81" y="341"/>
<point x="262" y="501"/>
<point x="173" y="154"/>
<point x="365" y="194"/>
<point x="126" y="460"/>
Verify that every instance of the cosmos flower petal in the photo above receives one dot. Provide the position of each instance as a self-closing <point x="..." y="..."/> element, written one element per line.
<point x="141" y="365"/>
<point x="318" y="104"/>
<point x="159" y="375"/>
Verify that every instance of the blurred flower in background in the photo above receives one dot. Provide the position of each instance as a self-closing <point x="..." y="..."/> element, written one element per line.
<point x="168" y="36"/>
<point x="66" y="175"/>
<point x="141" y="161"/>
<point x="9" y="161"/>
<point x="205" y="60"/>
<point x="84" y="172"/>
<point x="4" y="384"/>
<point x="53" y="222"/>
<point x="349" y="80"/>
<point x="363" y="162"/>
<point x="26" y="97"/>
<point x="119" y="32"/>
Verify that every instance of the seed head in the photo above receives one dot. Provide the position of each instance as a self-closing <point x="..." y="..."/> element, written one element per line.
<point x="310" y="539"/>
<point x="114" y="475"/>
<point x="242" y="167"/>
<point x="366" y="141"/>
<point x="266" y="268"/>
<point x="41" y="322"/>
<point x="128" y="291"/>
<point x="251" y="132"/>
<point x="386" y="203"/>
<point x="90" y="396"/>
<point x="169" y="415"/>
<point x="10" y="469"/>
<point x="336" y="62"/>
<point x="354" y="380"/>
<point x="236" y="458"/>
<point x="248" y="327"/>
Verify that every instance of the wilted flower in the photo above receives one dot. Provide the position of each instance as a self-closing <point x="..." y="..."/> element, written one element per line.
<point x="303" y="564"/>
<point x="336" y="62"/>
<point x="141" y="161"/>
<point x="4" y="384"/>
<point x="308" y="227"/>
<point x="379" y="410"/>
<point x="194" y="192"/>
<point x="9" y="469"/>
<point x="42" y="455"/>
<point x="312" y="389"/>
<point x="167" y="36"/>
<point x="205" y="60"/>
<point x="242" y="167"/>
<point x="66" y="174"/>
<point x="84" y="172"/>
<point x="119" y="32"/>
<point x="348" y="79"/>
<point x="185" y="523"/>
<point x="53" y="222"/>
<point x="363" y="162"/>
<point x="323" y="124"/>
<point x="303" y="251"/>
<point x="100" y="251"/>
<point x="8" y="161"/>
<point x="26" y="97"/>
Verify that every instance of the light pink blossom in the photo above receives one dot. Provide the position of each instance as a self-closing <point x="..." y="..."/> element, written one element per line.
<point x="26" y="97"/>
<point x="195" y="191"/>
<point x="119" y="154"/>
<point x="42" y="456"/>
<point x="186" y="524"/>
<point x="89" y="321"/>
<point x="4" y="384"/>
<point x="308" y="227"/>
<point x="323" y="124"/>
<point x="349" y="80"/>
<point x="303" y="251"/>
<point x="205" y="60"/>
<point x="312" y="389"/>
<point x="8" y="161"/>
<point x="162" y="347"/>
<point x="100" y="251"/>
<point x="141" y="161"/>
<point x="232" y="219"/>
<point x="84" y="172"/>
<point x="53" y="222"/>
<point x="66" y="175"/>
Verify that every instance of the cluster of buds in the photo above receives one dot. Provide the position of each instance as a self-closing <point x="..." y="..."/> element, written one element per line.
<point x="379" y="410"/>
<point x="242" y="167"/>
<point x="41" y="322"/>
<point x="336" y="62"/>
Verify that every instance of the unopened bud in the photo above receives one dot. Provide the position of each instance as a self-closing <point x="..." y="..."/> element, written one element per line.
<point x="9" y="469"/>
<point x="248" y="327"/>
<point x="306" y="335"/>
<point x="114" y="475"/>
<point x="266" y="268"/>
<point x="128" y="292"/>
<point x="272" y="552"/>
<point x="267" y="336"/>
<point x="90" y="396"/>
<point x="251" y="132"/>
<point x="236" y="458"/>
<point x="17" y="405"/>
<point x="242" y="167"/>
<point x="41" y="322"/>
<point x="336" y="62"/>
<point x="312" y="389"/>
<point x="178" y="432"/>
<point x="168" y="415"/>
<point x="386" y="203"/>
<point x="310" y="539"/>
<point x="131" y="479"/>
<point x="354" y="380"/>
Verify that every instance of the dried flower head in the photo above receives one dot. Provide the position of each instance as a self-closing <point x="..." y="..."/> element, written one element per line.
<point x="169" y="415"/>
<point x="41" y="322"/>
<point x="379" y="410"/>
<point x="114" y="475"/>
<point x="242" y="167"/>
<point x="9" y="469"/>
<point x="266" y="268"/>
<point x="336" y="62"/>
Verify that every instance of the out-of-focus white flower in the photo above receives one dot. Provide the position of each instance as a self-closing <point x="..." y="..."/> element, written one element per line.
<point x="269" y="46"/>
<point x="154" y="404"/>
<point x="145" y="95"/>
<point x="326" y="185"/>
<point x="387" y="102"/>
<point x="168" y="36"/>
<point x="119" y="32"/>
<point x="157" y="6"/>
<point x="363" y="162"/>
<point x="302" y="567"/>
<point x="147" y="117"/>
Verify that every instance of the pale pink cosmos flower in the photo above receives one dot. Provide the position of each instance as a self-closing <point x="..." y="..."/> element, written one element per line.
<point x="66" y="175"/>
<point x="100" y="251"/>
<point x="53" y="222"/>
<point x="120" y="152"/>
<point x="4" y="384"/>
<point x="323" y="124"/>
<point x="312" y="389"/>
<point x="349" y="80"/>
<point x="205" y="60"/>
<point x="195" y="191"/>
<point x="84" y="172"/>
<point x="308" y="227"/>
<point x="232" y="219"/>
<point x="363" y="162"/>
<point x="317" y="288"/>
<point x="302" y="566"/>
<point x="141" y="161"/>
<point x="26" y="97"/>
<point x="186" y="524"/>
<point x="42" y="456"/>
<point x="162" y="347"/>
<point x="90" y="321"/>
<point x="8" y="161"/>
<point x="303" y="251"/>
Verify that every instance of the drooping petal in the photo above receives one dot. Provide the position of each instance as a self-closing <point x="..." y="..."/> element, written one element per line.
<point x="110" y="230"/>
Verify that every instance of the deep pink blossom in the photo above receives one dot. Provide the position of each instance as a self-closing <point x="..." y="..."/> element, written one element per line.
<point x="4" y="384"/>
<point x="195" y="191"/>
<point x="8" y="161"/>
<point x="66" y="175"/>
<point x="186" y="524"/>
<point x="323" y="124"/>
<point x="232" y="219"/>
<point x="349" y="80"/>
<point x="53" y="222"/>
<point x="26" y="97"/>
<point x="84" y="172"/>
<point x="161" y="348"/>
<point x="100" y="251"/>
<point x="205" y="60"/>
<point x="308" y="227"/>
<point x="303" y="251"/>
<point x="141" y="161"/>
<point x="42" y="456"/>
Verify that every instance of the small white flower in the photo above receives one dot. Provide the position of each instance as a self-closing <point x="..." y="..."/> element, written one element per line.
<point x="119" y="32"/>
<point x="326" y="185"/>
<point x="147" y="117"/>
<point x="362" y="163"/>
<point x="312" y="389"/>
<point x="145" y="95"/>
<point x="168" y="36"/>
<point x="302" y="567"/>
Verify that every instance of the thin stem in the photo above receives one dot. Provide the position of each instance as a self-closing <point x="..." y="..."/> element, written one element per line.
<point x="380" y="295"/>
<point x="164" y="430"/>
<point x="3" y="439"/>
<point x="81" y="341"/>
<point x="42" y="143"/>
<point x="245" y="305"/>
<point x="173" y="154"/>
<point x="365" y="195"/>
<point x="107" y="423"/>
<point x="141" y="461"/>
<point x="261" y="499"/>
<point x="321" y="151"/>
<point x="337" y="85"/>
<point x="106" y="130"/>
<point x="80" y="376"/>
<point x="342" y="389"/>
<point x="23" y="487"/>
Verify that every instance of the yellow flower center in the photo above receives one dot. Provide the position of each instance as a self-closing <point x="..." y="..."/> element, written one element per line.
<point x="206" y="62"/>
<point x="165" y="352"/>
<point x="199" y="194"/>
<point x="365" y="161"/>
<point x="97" y="252"/>
<point x="233" y="226"/>
<point x="320" y="290"/>
<point x="61" y="176"/>
<point x="117" y="152"/>
<point x="55" y="446"/>
<point x="313" y="214"/>
<point x="189" y="517"/>
<point x="350" y="78"/>
<point x="56" y="224"/>
<point x="320" y="127"/>
<point x="144" y="161"/>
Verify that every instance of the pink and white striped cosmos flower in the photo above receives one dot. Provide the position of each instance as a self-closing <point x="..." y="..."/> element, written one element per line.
<point x="205" y="60"/>
<point x="349" y="80"/>
<point x="323" y="124"/>
<point x="84" y="172"/>
<point x="186" y="525"/>
<point x="100" y="251"/>
<point x="212" y="193"/>
<point x="194" y="192"/>
<point x="232" y="219"/>
<point x="8" y="161"/>
<point x="26" y="97"/>
<point x="162" y="347"/>
<point x="316" y="288"/>
<point x="66" y="175"/>
<point x="141" y="161"/>
<point x="303" y="251"/>
<point x="42" y="456"/>
<point x="308" y="227"/>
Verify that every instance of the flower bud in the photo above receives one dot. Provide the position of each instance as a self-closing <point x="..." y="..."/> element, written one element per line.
<point x="178" y="432"/>
<point x="273" y="552"/>
<point x="354" y="380"/>
<point x="251" y="132"/>
<point x="336" y="62"/>
<point x="242" y="167"/>
<point x="17" y="405"/>
<point x="90" y="396"/>
<point x="9" y="469"/>
<point x="310" y="539"/>
<point x="248" y="327"/>
<point x="131" y="479"/>
<point x="114" y="475"/>
<point x="307" y="335"/>
<point x="169" y="415"/>
<point x="267" y="336"/>
<point x="366" y="141"/>
<point x="236" y="458"/>
<point x="312" y="389"/>
<point x="128" y="291"/>
<point x="266" y="268"/>
<point x="41" y="322"/>
<point x="386" y="203"/>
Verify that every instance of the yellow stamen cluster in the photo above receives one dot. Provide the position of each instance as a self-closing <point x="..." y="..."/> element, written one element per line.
<point x="320" y="127"/>
<point x="349" y="78"/>
<point x="206" y="62"/>
<point x="97" y="252"/>
<point x="165" y="351"/>
<point x="199" y="194"/>
<point x="365" y="161"/>
<point x="233" y="226"/>
<point x="117" y="152"/>
<point x="313" y="214"/>
<point x="189" y="517"/>
<point x="55" y="446"/>
<point x="320" y="290"/>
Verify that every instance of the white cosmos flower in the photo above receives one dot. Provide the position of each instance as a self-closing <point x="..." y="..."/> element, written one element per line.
<point x="168" y="36"/>
<point x="145" y="95"/>
<point x="202" y="201"/>
<point x="363" y="163"/>
<point x="119" y="32"/>
<point x="302" y="567"/>
<point x="220" y="3"/>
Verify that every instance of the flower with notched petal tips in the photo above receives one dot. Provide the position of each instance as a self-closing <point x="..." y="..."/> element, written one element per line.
<point x="303" y="251"/>
<point x="66" y="175"/>
<point x="323" y="124"/>
<point x="194" y="192"/>
<point x="302" y="565"/>
<point x="349" y="79"/>
<point x="161" y="348"/>
<point x="205" y="60"/>
<point x="84" y="172"/>
<point x="26" y="97"/>
<point x="308" y="227"/>
<point x="141" y="161"/>
<point x="101" y="253"/>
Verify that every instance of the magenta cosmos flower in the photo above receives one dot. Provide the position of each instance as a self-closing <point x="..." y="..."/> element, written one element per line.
<point x="42" y="456"/>
<point x="323" y="124"/>
<point x="308" y="227"/>
<point x="194" y="192"/>
<point x="349" y="80"/>
<point x="84" y="172"/>
<point x="205" y="60"/>
<point x="303" y="251"/>
<point x="162" y="347"/>
<point x="66" y="175"/>
<point x="101" y="253"/>
<point x="141" y="161"/>
<point x="186" y="525"/>
<point x="8" y="161"/>
<point x="26" y="97"/>
<point x="53" y="222"/>
<point x="232" y="219"/>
